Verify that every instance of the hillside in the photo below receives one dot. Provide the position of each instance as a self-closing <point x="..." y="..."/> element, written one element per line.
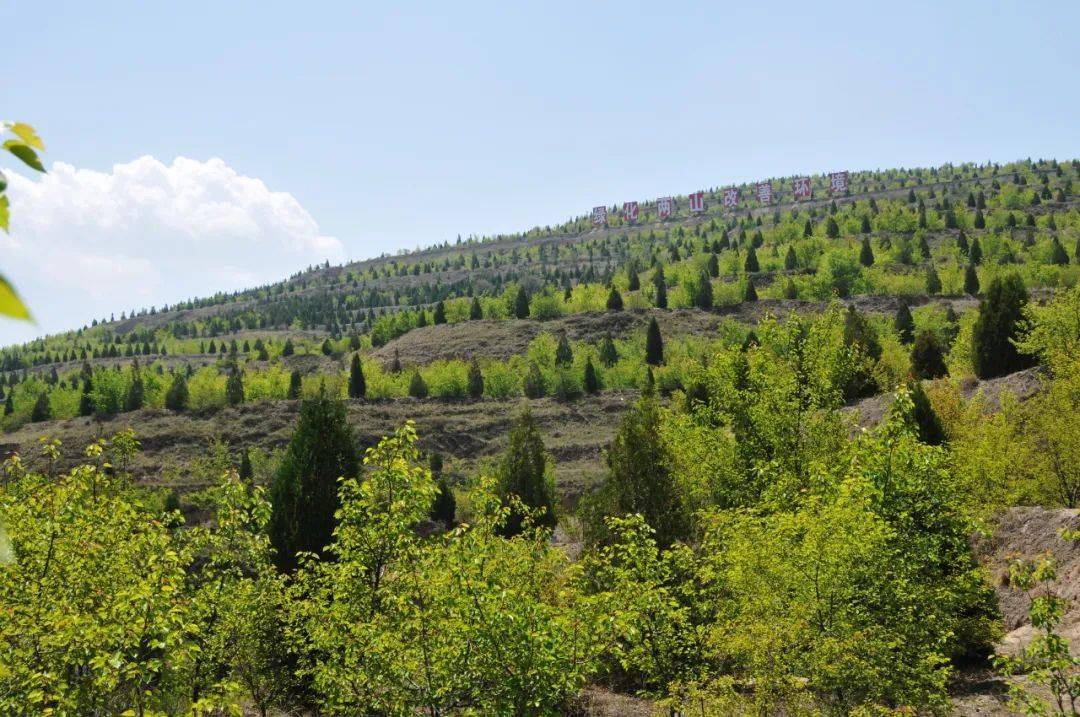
<point x="434" y="311"/>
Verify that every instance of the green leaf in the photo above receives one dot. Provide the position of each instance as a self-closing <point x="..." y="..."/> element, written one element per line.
<point x="24" y="152"/>
<point x="5" y="212"/>
<point x="27" y="134"/>
<point x="10" y="303"/>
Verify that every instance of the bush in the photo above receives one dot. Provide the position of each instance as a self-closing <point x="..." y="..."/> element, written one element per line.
<point x="927" y="357"/>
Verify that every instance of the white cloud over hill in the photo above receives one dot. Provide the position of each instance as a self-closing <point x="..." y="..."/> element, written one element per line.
<point x="84" y="243"/>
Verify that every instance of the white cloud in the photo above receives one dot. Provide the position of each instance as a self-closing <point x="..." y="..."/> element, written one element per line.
<point x="85" y="244"/>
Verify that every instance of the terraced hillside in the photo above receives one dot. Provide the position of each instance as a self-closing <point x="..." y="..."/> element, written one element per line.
<point x="532" y="312"/>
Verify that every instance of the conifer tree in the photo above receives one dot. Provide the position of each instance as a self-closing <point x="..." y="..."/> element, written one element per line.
<point x="1058" y="256"/>
<point x="176" y="398"/>
<point x="633" y="282"/>
<point x="980" y="220"/>
<point x="751" y="263"/>
<point x="971" y="280"/>
<point x="136" y="393"/>
<point x="418" y="388"/>
<point x="790" y="260"/>
<point x="357" y="383"/>
<point x="750" y="293"/>
<point x="904" y="324"/>
<point x="975" y="254"/>
<point x="864" y="228"/>
<point x="304" y="492"/>
<point x="703" y="295"/>
<point x="86" y="399"/>
<point x="533" y="385"/>
<point x="660" y="284"/>
<point x="475" y="310"/>
<point x="998" y="323"/>
<point x="521" y="303"/>
<point x="924" y="247"/>
<point x="440" y="313"/>
<point x="608" y="353"/>
<point x="933" y="281"/>
<point x="564" y="355"/>
<point x="927" y="423"/>
<point x="295" y="385"/>
<point x="475" y="380"/>
<point x="614" y="300"/>
<point x="421" y="319"/>
<point x="525" y="473"/>
<point x="928" y="357"/>
<point x="962" y="243"/>
<point x="246" y="473"/>
<point x="866" y="253"/>
<point x="395" y="365"/>
<point x="591" y="379"/>
<point x="286" y="350"/>
<point x="790" y="290"/>
<point x="41" y="411"/>
<point x="713" y="266"/>
<point x="832" y="229"/>
<point x="444" y="507"/>
<point x="654" y="344"/>
<point x="234" y="386"/>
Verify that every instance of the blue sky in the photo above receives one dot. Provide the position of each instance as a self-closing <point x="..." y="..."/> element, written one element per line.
<point x="382" y="126"/>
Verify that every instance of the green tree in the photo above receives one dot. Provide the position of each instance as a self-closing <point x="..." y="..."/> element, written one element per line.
<point x="971" y="280"/>
<point x="614" y="300"/>
<point x="591" y="380"/>
<point x="1058" y="256"/>
<point x="866" y="254"/>
<point x="295" y="385"/>
<point x="234" y="386"/>
<point x="703" y="294"/>
<point x="1001" y="311"/>
<point x="564" y="355"/>
<point x="533" y="385"/>
<point x="41" y="411"/>
<point x="304" y="492"/>
<point x="609" y="355"/>
<point x="790" y="260"/>
<point x="749" y="292"/>
<point x="444" y="507"/>
<point x="521" y="303"/>
<point x="975" y="254"/>
<point x="750" y="266"/>
<point x="418" y="387"/>
<point x="475" y="310"/>
<point x="357" y="384"/>
<point x="136" y="393"/>
<point x="832" y="229"/>
<point x="933" y="281"/>
<point x="440" y="313"/>
<point x="475" y="380"/>
<point x="526" y="484"/>
<point x="176" y="398"/>
<point x="928" y="357"/>
<point x="904" y="324"/>
<point x="654" y="344"/>
<point x="660" y="285"/>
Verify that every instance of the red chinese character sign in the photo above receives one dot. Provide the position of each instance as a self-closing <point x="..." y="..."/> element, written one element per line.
<point x="630" y="212"/>
<point x="731" y="197"/>
<point x="599" y="216"/>
<point x="764" y="192"/>
<point x="800" y="187"/>
<point x="697" y="202"/>
<point x="665" y="206"/>
<point x="838" y="182"/>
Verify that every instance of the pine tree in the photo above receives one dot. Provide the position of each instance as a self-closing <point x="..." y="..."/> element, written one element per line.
<point x="176" y="398"/>
<point x="418" y="388"/>
<point x="521" y="303"/>
<point x="608" y="354"/>
<point x="475" y="310"/>
<point x="1058" y="256"/>
<point x="703" y="295"/>
<point x="924" y="247"/>
<point x="654" y="344"/>
<point x="591" y="380"/>
<point x="904" y="324"/>
<point x="395" y="365"/>
<point x="928" y="357"/>
<point x="790" y="260"/>
<point x="475" y="380"/>
<point x="980" y="220"/>
<point x="933" y="281"/>
<point x="971" y="280"/>
<point x="564" y="355"/>
<point x="975" y="254"/>
<point x="136" y="393"/>
<point x="998" y="323"/>
<point x="864" y="227"/>
<point x="633" y="281"/>
<point x="246" y="473"/>
<point x="790" y="290"/>
<point x="286" y="350"/>
<point x="533" y="385"/>
<point x="927" y="423"/>
<point x="41" y="411"/>
<point x="9" y="406"/>
<point x="444" y="507"/>
<point x="440" y="313"/>
<point x="751" y="263"/>
<point x="525" y="473"/>
<point x="660" y="284"/>
<point x="640" y="478"/>
<point x="832" y="229"/>
<point x="234" y="386"/>
<point x="866" y="254"/>
<point x="713" y="266"/>
<point x="962" y="243"/>
<point x="357" y="384"/>
<point x="295" y="385"/>
<point x="86" y="399"/>
<point x="614" y="300"/>
<point x="750" y="293"/>
<point x="304" y="492"/>
<point x="421" y="319"/>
